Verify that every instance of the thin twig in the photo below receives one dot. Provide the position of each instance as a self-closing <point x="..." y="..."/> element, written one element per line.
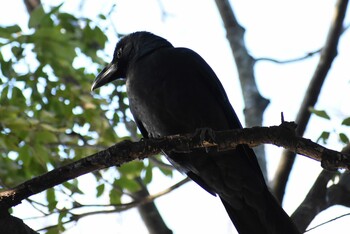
<point x="328" y="221"/>
<point x="308" y="55"/>
<point x="119" y="207"/>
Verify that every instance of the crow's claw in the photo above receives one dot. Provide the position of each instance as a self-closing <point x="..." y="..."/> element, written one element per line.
<point x="207" y="137"/>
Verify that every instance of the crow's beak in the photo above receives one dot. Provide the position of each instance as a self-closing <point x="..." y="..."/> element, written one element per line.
<point x="108" y="74"/>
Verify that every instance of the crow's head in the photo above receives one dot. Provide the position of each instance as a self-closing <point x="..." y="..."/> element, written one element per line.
<point x="127" y="51"/>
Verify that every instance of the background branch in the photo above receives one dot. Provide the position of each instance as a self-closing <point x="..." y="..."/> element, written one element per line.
<point x="306" y="56"/>
<point x="255" y="104"/>
<point x="143" y="202"/>
<point x="328" y="54"/>
<point x="322" y="196"/>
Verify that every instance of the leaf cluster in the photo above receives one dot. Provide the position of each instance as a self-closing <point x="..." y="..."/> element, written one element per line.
<point x="48" y="116"/>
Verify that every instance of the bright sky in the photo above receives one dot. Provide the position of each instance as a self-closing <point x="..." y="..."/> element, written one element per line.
<point x="276" y="29"/>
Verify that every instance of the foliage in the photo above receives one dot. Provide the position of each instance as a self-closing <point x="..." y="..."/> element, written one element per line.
<point x="326" y="134"/>
<point x="48" y="115"/>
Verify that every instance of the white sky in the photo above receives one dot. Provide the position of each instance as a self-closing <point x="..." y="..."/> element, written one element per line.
<point x="277" y="29"/>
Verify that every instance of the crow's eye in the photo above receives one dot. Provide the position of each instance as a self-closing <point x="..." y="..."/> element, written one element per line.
<point x="119" y="53"/>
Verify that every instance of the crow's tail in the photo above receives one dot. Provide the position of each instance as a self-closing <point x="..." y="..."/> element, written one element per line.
<point x="273" y="220"/>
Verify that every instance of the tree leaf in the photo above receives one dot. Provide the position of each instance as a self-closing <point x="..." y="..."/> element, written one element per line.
<point x="127" y="183"/>
<point x="319" y="113"/>
<point x="344" y="138"/>
<point x="131" y="169"/>
<point x="51" y="198"/>
<point x="100" y="189"/>
<point x="324" y="137"/>
<point x="45" y="137"/>
<point x="7" y="32"/>
<point x="115" y="196"/>
<point x="346" y="122"/>
<point x="148" y="175"/>
<point x="38" y="17"/>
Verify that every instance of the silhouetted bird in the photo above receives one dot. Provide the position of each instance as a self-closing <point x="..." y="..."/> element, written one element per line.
<point x="173" y="91"/>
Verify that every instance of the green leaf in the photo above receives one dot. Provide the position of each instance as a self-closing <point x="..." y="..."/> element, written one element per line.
<point x="17" y="51"/>
<point x="25" y="153"/>
<point x="165" y="170"/>
<point x="7" y="32"/>
<point x="53" y="230"/>
<point x="45" y="137"/>
<point x="72" y="185"/>
<point x="7" y="68"/>
<point x="115" y="196"/>
<point x="129" y="184"/>
<point x="51" y="198"/>
<point x="50" y="128"/>
<point x="343" y="138"/>
<point x="324" y="137"/>
<point x="16" y="124"/>
<point x="53" y="46"/>
<point x="131" y="169"/>
<point x="17" y="98"/>
<point x="319" y="113"/>
<point x="100" y="189"/>
<point x="346" y="122"/>
<point x="62" y="215"/>
<point x="101" y="16"/>
<point x="41" y="155"/>
<point x="147" y="178"/>
<point x="37" y="17"/>
<point x="55" y="9"/>
<point x="68" y="22"/>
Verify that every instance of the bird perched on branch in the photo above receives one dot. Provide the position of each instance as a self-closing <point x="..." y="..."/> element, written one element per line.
<point x="174" y="91"/>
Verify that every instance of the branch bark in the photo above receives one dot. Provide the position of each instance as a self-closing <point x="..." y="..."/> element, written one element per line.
<point x="255" y="104"/>
<point x="150" y="214"/>
<point x="126" y="151"/>
<point x="328" y="53"/>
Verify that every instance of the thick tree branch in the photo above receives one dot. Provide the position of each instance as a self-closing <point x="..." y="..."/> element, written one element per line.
<point x="126" y="151"/>
<point x="328" y="54"/>
<point x="149" y="212"/>
<point x="255" y="104"/>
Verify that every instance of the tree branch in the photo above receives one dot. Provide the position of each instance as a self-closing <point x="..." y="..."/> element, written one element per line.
<point x="148" y="199"/>
<point x="306" y="56"/>
<point x="149" y="212"/>
<point x="321" y="196"/>
<point x="328" y="54"/>
<point x="255" y="104"/>
<point x="126" y="151"/>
